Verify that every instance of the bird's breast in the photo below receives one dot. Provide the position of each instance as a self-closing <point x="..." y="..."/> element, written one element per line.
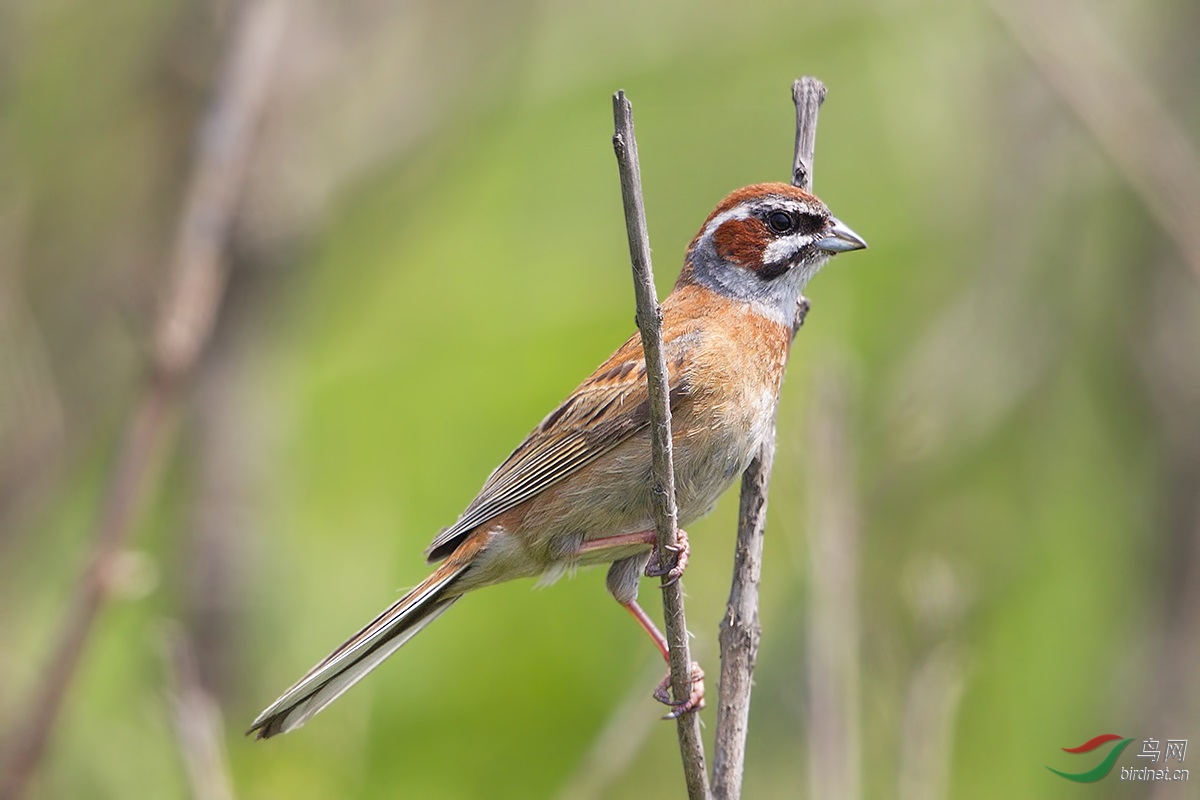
<point x="734" y="377"/>
<point x="729" y="372"/>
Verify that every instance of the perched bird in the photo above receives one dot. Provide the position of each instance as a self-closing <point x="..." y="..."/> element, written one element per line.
<point x="577" y="491"/>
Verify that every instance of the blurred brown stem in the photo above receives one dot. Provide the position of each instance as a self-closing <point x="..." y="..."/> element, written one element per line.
<point x="740" y="629"/>
<point x="649" y="319"/>
<point x="1131" y="126"/>
<point x="196" y="276"/>
<point x="197" y="721"/>
<point x="32" y="424"/>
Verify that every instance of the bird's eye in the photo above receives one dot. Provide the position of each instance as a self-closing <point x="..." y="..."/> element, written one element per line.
<point x="781" y="221"/>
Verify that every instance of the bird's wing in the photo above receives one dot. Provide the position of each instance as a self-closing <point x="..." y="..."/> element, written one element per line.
<point x="606" y="409"/>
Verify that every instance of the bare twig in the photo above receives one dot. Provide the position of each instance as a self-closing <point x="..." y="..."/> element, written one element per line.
<point x="196" y="276"/>
<point x="1114" y="104"/>
<point x="197" y="721"/>
<point x="808" y="94"/>
<point x="649" y="319"/>
<point x="740" y="629"/>
<point x="833" y="685"/>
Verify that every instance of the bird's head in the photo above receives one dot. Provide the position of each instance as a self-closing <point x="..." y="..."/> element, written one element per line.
<point x="763" y="243"/>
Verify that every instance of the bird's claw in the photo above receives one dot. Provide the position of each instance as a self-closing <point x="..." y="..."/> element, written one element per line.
<point x="695" y="699"/>
<point x="656" y="568"/>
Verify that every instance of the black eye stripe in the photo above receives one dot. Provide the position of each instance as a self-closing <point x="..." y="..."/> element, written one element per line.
<point x="782" y="222"/>
<point x="811" y="223"/>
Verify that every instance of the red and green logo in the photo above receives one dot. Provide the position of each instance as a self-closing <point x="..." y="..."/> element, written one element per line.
<point x="1104" y="767"/>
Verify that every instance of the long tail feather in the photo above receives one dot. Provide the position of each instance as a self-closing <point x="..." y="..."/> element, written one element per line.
<point x="364" y="651"/>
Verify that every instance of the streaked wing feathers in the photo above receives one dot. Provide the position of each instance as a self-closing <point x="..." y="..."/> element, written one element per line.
<point x="607" y="408"/>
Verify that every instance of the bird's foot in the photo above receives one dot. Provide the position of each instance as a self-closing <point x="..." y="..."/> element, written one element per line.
<point x="694" y="700"/>
<point x="678" y="558"/>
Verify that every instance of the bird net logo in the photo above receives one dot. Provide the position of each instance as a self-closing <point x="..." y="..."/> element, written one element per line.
<point x="1155" y="751"/>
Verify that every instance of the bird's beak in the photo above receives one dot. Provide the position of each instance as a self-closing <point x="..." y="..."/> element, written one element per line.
<point x="839" y="238"/>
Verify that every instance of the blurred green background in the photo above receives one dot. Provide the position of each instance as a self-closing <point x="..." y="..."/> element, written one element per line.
<point x="984" y="531"/>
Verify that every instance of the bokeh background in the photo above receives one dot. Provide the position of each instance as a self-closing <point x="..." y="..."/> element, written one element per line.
<point x="984" y="531"/>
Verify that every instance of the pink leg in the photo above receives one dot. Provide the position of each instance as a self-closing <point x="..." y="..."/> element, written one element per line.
<point x="649" y="627"/>
<point x="695" y="698"/>
<point x="623" y="540"/>
<point x="655" y="568"/>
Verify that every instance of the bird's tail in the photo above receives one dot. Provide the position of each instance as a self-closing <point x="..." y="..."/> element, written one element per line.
<point x="364" y="651"/>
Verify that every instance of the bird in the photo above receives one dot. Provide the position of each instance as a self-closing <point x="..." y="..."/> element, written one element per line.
<point x="577" y="491"/>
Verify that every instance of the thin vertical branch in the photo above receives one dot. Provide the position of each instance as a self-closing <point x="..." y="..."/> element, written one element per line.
<point x="649" y="319"/>
<point x="196" y="277"/>
<point x="740" y="628"/>
<point x="807" y="94"/>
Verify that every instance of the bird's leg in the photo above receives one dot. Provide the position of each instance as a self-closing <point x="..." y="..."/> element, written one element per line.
<point x="620" y="540"/>
<point x="649" y="627"/>
<point x="622" y="583"/>
<point x="655" y="568"/>
<point x="695" y="698"/>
